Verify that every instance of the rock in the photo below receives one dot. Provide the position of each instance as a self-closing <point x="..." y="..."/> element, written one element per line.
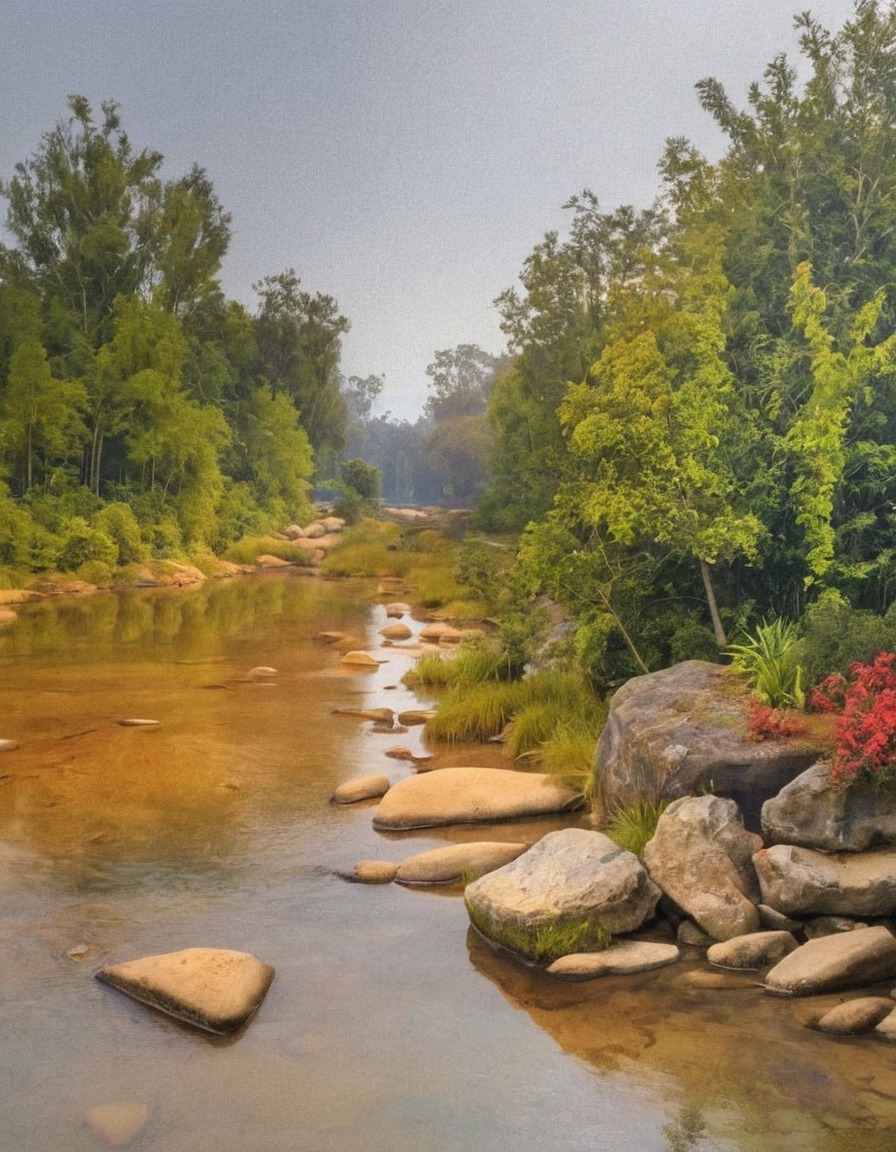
<point x="7" y="616"/>
<point x="8" y="745"/>
<point x="700" y="856"/>
<point x="136" y="722"/>
<point x="333" y="524"/>
<point x="623" y="959"/>
<point x="886" y="1029"/>
<point x="118" y="1123"/>
<point x="215" y="989"/>
<point x="398" y="608"/>
<point x="78" y="952"/>
<point x="315" y="530"/>
<point x="358" y="659"/>
<point x="396" y="632"/>
<point x="701" y="980"/>
<point x="294" y="532"/>
<point x="416" y="716"/>
<point x="831" y="963"/>
<point x="828" y="925"/>
<point x="755" y="950"/>
<point x="566" y="894"/>
<point x="374" y="872"/>
<point x="261" y="672"/>
<point x="457" y="862"/>
<point x="855" y="1016"/>
<point x="814" y="812"/>
<point x="378" y="715"/>
<point x="682" y="730"/>
<point x="415" y="758"/>
<point x="361" y="788"/>
<point x="472" y="795"/>
<point x="776" y="921"/>
<point x="266" y="560"/>
<point x="801" y="881"/>
<point x="691" y="935"/>
<point x="438" y="632"/>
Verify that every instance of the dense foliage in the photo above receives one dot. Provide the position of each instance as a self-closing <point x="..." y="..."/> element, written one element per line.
<point x="697" y="430"/>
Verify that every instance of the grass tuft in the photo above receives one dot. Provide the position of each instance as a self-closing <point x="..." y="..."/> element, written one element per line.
<point x="632" y="826"/>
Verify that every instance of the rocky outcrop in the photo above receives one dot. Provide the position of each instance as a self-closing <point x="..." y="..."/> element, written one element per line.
<point x="848" y="960"/>
<point x="567" y="894"/>
<point x="814" y="811"/>
<point x="682" y="731"/>
<point x="801" y="881"/>
<point x="472" y="795"/>
<point x="215" y="989"/>
<point x="701" y="857"/>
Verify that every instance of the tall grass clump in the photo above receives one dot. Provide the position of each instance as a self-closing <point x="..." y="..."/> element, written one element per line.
<point x="247" y="550"/>
<point x="769" y="659"/>
<point x="474" y="713"/>
<point x="631" y="826"/>
<point x="368" y="548"/>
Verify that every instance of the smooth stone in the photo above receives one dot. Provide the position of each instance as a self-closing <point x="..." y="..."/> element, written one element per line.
<point x="457" y="862"/>
<point x="416" y="716"/>
<point x="261" y="671"/>
<point x="78" y="952"/>
<point x="436" y="631"/>
<point x="752" y="951"/>
<point x="472" y="795"/>
<point x="379" y="715"/>
<point x="119" y="1122"/>
<point x="814" y="811"/>
<point x="887" y="1027"/>
<point x="855" y="1016"/>
<point x="806" y="882"/>
<point x="398" y="608"/>
<point x="215" y="989"/>
<point x="374" y="872"/>
<point x="136" y="722"/>
<point x="775" y="921"/>
<point x="8" y="745"/>
<point x="361" y="788"/>
<point x="622" y="959"/>
<point x="692" y="935"/>
<point x="359" y="659"/>
<point x="831" y="963"/>
<point x="396" y="632"/>
<point x="703" y="980"/>
<point x="8" y="616"/>
<point x="401" y="753"/>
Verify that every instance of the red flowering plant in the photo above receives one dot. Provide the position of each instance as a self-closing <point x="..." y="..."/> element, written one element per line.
<point x="767" y="723"/>
<point x="829" y="695"/>
<point x="866" y="730"/>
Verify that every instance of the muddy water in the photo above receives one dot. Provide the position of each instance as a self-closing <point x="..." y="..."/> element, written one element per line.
<point x="390" y="1027"/>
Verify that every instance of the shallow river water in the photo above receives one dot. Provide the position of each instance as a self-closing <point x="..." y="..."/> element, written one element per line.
<point x="390" y="1027"/>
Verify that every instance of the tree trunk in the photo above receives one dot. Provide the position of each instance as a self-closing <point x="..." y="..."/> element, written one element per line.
<point x="718" y="630"/>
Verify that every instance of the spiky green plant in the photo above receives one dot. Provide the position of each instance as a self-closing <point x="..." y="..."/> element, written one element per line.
<point x="768" y="659"/>
<point x="631" y="826"/>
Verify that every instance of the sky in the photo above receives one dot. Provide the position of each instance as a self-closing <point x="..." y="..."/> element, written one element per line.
<point x="403" y="156"/>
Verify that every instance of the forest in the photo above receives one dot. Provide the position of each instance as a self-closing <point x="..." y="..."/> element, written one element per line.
<point x="692" y="428"/>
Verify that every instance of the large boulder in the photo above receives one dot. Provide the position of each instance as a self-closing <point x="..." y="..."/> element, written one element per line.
<point x="814" y="811"/>
<point x="215" y="989"/>
<point x="567" y="894"/>
<point x="472" y="795"/>
<point x="682" y="731"/>
<point x="830" y="963"/>
<point x="701" y="857"/>
<point x="801" y="881"/>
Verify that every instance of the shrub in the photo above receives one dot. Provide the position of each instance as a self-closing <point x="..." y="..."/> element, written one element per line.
<point x="836" y="636"/>
<point x="767" y="723"/>
<point x="866" y="731"/>
<point x="768" y="659"/>
<point x="830" y="695"/>
<point x="120" y="524"/>
<point x="83" y="543"/>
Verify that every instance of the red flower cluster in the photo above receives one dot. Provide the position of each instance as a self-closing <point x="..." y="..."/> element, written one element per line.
<point x="866" y="731"/>
<point x="767" y="723"/>
<point x="829" y="695"/>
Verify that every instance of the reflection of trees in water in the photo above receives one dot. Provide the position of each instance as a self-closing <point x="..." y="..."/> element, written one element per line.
<point x="686" y="1130"/>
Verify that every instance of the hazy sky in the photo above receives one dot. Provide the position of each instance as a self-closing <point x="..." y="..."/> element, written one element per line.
<point x="403" y="156"/>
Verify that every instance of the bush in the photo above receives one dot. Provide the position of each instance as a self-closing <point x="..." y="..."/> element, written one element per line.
<point x="120" y="524"/>
<point x="866" y="731"/>
<point x="83" y="543"/>
<point x="767" y="723"/>
<point x="836" y="636"/>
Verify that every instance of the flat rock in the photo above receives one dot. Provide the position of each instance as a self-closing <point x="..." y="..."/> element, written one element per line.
<point x="457" y="862"/>
<point x="396" y="632"/>
<point x="625" y="958"/>
<point x="359" y="659"/>
<point x="755" y="950"/>
<point x="831" y="963"/>
<point x="566" y="894"/>
<point x="359" y="788"/>
<point x="854" y="1017"/>
<point x="138" y="722"/>
<point x="804" y="882"/>
<point x="215" y="989"/>
<point x="118" y="1122"/>
<point x="7" y="616"/>
<point x="8" y="745"/>
<point x="886" y="1029"/>
<point x="414" y="716"/>
<point x="472" y="795"/>
<point x="397" y="609"/>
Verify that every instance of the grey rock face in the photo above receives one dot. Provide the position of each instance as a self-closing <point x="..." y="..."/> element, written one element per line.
<point x="701" y="857"/>
<point x="804" y="882"/>
<point x="814" y="812"/>
<point x="572" y="880"/>
<point x="679" y="731"/>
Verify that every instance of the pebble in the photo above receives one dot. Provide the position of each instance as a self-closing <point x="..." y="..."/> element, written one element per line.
<point x="118" y="1122"/>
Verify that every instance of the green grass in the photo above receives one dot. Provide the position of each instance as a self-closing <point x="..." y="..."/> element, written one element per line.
<point x="631" y="826"/>
<point x="768" y="659"/>
<point x="247" y="550"/>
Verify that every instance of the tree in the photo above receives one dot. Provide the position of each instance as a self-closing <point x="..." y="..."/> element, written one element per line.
<point x="460" y="382"/>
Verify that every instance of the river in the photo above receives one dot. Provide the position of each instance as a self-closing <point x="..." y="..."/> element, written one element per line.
<point x="390" y="1027"/>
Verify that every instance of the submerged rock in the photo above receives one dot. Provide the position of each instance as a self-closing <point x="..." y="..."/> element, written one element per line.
<point x="830" y="963"/>
<point x="119" y="1122"/>
<point x="358" y="659"/>
<point x="472" y="795"/>
<point x="571" y="890"/>
<point x="373" y="872"/>
<point x="626" y="958"/>
<point x="361" y="788"/>
<point x="214" y="989"/>
<point x="457" y="862"/>
<point x="855" y="1016"/>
